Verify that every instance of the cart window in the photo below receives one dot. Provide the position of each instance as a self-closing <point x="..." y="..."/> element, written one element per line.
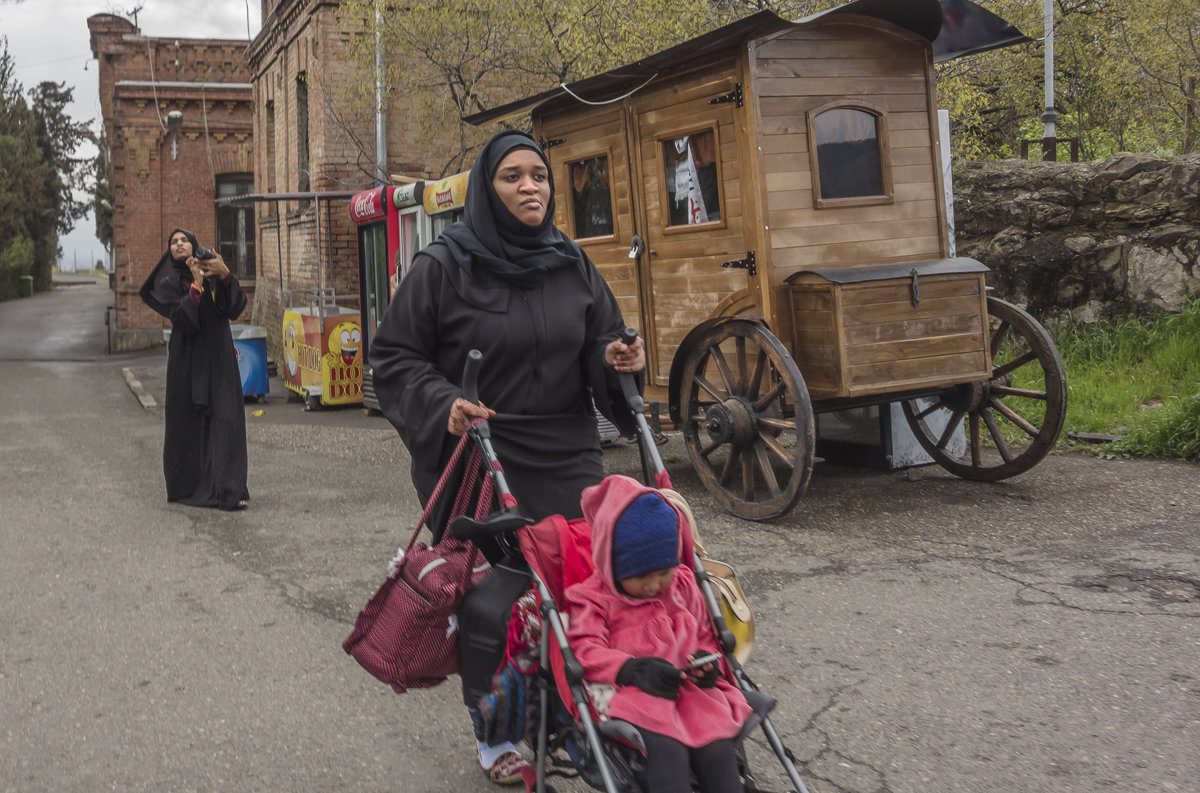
<point x="849" y="146"/>
<point x="591" y="198"/>
<point x="690" y="176"/>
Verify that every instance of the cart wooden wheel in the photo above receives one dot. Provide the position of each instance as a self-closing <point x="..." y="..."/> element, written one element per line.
<point x="747" y="420"/>
<point x="1026" y="395"/>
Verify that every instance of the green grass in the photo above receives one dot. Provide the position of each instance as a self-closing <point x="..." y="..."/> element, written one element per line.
<point x="1139" y="379"/>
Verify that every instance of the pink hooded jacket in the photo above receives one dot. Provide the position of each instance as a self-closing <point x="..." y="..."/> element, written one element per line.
<point x="608" y="627"/>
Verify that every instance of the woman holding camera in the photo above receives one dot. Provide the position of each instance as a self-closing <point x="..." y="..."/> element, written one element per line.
<point x="204" y="442"/>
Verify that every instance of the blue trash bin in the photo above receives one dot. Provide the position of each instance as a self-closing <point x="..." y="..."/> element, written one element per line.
<point x="250" y="342"/>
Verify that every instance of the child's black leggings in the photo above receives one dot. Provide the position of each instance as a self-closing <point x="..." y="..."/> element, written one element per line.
<point x="714" y="766"/>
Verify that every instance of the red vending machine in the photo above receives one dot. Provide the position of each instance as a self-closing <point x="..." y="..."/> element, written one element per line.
<point x="394" y="222"/>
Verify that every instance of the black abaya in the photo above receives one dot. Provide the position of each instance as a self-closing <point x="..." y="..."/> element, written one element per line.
<point x="536" y="307"/>
<point x="204" y="441"/>
<point x="542" y="349"/>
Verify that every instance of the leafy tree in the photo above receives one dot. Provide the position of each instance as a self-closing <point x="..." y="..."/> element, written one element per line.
<point x="102" y="197"/>
<point x="38" y="170"/>
<point x="463" y="56"/>
<point x="59" y="137"/>
<point x="1120" y="68"/>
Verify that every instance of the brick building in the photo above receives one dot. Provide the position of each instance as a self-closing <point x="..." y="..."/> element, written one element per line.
<point x="177" y="118"/>
<point x="316" y="146"/>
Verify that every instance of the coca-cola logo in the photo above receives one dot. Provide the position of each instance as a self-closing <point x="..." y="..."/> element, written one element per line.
<point x="365" y="205"/>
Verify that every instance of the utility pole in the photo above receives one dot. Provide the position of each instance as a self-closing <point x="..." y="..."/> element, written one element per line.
<point x="1189" y="117"/>
<point x="381" y="174"/>
<point x="1050" y="117"/>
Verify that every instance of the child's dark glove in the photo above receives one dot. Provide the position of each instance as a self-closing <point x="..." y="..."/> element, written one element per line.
<point x="653" y="675"/>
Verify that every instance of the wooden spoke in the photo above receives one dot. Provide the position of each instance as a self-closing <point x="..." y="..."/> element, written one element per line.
<point x="710" y="388"/>
<point x="1004" y="390"/>
<point x="950" y="428"/>
<point x="998" y="337"/>
<point x="747" y="460"/>
<point x="731" y="462"/>
<point x="937" y="405"/>
<point x="1014" y="364"/>
<point x="765" y="470"/>
<point x="739" y="347"/>
<point x="997" y="436"/>
<point x="754" y="385"/>
<point x="783" y="425"/>
<point x="975" y="441"/>
<point x="718" y="359"/>
<point x="776" y="448"/>
<point x="1015" y="418"/>
<point x="775" y="393"/>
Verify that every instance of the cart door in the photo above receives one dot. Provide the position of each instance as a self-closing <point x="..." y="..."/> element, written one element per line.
<point x="689" y="197"/>
<point x="589" y="152"/>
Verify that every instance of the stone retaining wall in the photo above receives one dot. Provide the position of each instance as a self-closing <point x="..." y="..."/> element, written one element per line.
<point x="1084" y="240"/>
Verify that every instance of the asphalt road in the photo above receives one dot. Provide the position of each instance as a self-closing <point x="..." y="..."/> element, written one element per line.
<point x="922" y="633"/>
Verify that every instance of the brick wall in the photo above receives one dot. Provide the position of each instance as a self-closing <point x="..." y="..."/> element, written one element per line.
<point x="305" y="37"/>
<point x="161" y="181"/>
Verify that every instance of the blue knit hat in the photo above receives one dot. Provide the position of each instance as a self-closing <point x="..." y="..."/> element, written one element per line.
<point x="646" y="538"/>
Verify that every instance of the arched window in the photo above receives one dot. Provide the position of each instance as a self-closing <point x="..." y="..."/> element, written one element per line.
<point x="849" y="155"/>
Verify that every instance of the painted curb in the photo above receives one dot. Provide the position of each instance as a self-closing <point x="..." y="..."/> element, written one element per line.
<point x="138" y="390"/>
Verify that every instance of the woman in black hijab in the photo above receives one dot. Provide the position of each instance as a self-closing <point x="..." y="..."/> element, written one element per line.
<point x="204" y="441"/>
<point x="507" y="282"/>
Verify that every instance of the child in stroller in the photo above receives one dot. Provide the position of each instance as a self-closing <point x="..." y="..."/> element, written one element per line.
<point x="639" y="622"/>
<point x="715" y="704"/>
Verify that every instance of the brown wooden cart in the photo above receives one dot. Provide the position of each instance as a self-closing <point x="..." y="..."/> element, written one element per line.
<point x="768" y="201"/>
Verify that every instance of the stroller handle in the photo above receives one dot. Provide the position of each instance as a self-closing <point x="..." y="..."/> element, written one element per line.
<point x="633" y="397"/>
<point x="471" y="376"/>
<point x="651" y="460"/>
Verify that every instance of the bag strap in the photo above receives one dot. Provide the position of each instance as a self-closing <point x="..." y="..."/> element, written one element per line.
<point x="675" y="498"/>
<point x="443" y="483"/>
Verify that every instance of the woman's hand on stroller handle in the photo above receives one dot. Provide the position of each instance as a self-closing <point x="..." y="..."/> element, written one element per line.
<point x="463" y="412"/>
<point x="467" y="407"/>
<point x="626" y="354"/>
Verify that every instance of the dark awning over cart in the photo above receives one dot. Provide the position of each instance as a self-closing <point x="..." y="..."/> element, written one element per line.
<point x="955" y="28"/>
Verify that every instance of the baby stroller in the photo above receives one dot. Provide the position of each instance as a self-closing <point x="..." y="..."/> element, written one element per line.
<point x="572" y="740"/>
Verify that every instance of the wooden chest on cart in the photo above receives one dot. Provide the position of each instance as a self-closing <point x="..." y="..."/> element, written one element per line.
<point x="876" y="329"/>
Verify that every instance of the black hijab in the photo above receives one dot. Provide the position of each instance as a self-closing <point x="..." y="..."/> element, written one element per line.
<point x="170" y="279"/>
<point x="495" y="240"/>
<point x="152" y="291"/>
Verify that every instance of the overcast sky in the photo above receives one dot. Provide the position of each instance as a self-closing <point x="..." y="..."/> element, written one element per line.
<point x="48" y="40"/>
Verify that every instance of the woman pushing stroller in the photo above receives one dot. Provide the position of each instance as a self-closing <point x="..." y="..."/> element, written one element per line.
<point x="507" y="282"/>
<point x="638" y="621"/>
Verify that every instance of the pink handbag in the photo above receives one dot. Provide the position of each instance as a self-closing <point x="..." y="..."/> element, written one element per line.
<point x="407" y="634"/>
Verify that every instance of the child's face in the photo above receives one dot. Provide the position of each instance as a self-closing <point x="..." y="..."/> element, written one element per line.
<point x="648" y="585"/>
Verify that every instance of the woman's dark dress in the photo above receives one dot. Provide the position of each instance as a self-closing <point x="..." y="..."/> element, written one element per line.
<point x="204" y="444"/>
